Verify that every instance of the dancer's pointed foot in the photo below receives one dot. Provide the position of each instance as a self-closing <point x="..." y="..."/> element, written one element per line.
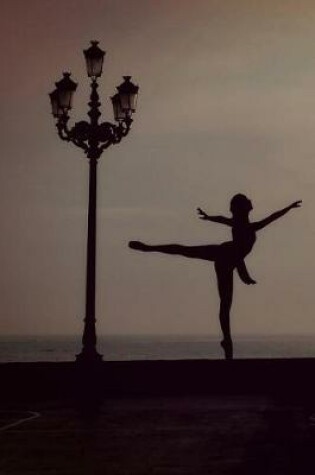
<point x="227" y="346"/>
<point x="138" y="245"/>
<point x="249" y="281"/>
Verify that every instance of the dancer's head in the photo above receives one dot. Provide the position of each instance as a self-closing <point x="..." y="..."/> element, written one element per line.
<point x="240" y="205"/>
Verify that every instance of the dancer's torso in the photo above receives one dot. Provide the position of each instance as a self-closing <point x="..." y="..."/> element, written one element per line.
<point x="244" y="238"/>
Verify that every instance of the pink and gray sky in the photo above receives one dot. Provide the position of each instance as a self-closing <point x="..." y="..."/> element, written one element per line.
<point x="226" y="105"/>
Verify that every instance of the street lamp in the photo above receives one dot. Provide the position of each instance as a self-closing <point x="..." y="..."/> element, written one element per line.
<point x="93" y="137"/>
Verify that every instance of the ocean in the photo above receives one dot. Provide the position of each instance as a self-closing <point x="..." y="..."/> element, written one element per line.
<point x="146" y="347"/>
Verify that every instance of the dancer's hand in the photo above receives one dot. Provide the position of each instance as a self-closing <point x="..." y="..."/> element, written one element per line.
<point x="250" y="281"/>
<point x="296" y="204"/>
<point x="138" y="245"/>
<point x="202" y="214"/>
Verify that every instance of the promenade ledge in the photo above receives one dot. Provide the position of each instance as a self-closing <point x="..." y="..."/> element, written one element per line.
<point x="286" y="378"/>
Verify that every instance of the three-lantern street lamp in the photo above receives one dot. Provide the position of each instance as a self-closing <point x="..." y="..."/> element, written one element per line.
<point x="93" y="137"/>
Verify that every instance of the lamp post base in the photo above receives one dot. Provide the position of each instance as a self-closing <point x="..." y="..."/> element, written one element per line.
<point x="89" y="357"/>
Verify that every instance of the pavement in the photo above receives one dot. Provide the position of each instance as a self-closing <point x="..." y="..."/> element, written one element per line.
<point x="171" y="435"/>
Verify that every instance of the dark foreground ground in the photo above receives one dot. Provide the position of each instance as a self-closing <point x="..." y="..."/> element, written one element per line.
<point x="214" y="429"/>
<point x="161" y="436"/>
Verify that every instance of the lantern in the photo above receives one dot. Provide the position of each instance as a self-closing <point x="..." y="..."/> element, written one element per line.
<point x="65" y="90"/>
<point x="94" y="58"/>
<point x="128" y="95"/>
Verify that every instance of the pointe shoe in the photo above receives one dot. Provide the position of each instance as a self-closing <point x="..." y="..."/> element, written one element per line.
<point x="227" y="346"/>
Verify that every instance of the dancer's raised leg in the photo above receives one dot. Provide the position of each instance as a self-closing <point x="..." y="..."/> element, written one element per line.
<point x="207" y="252"/>
<point x="225" y="287"/>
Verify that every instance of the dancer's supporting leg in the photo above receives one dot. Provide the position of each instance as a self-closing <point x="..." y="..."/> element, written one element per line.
<point x="207" y="252"/>
<point x="225" y="286"/>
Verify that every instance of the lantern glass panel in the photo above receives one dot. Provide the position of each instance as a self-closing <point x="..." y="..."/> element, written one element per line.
<point x="65" y="99"/>
<point x="119" y="114"/>
<point x="133" y="102"/>
<point x="56" y="110"/>
<point x="125" y="101"/>
<point x="94" y="67"/>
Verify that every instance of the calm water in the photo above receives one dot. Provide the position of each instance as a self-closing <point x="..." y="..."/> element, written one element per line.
<point x="64" y="348"/>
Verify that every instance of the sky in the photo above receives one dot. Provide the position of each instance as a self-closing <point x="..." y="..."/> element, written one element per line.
<point x="226" y="105"/>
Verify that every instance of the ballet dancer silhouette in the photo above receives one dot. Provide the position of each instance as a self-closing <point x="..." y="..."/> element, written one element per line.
<point x="226" y="256"/>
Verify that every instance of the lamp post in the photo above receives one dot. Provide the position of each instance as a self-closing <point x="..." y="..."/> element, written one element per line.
<point x="93" y="137"/>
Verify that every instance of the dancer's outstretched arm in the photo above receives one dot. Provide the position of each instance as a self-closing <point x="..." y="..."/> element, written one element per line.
<point x="278" y="214"/>
<point x="215" y="219"/>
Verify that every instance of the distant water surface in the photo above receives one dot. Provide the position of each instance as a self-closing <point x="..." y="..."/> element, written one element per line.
<point x="120" y="348"/>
